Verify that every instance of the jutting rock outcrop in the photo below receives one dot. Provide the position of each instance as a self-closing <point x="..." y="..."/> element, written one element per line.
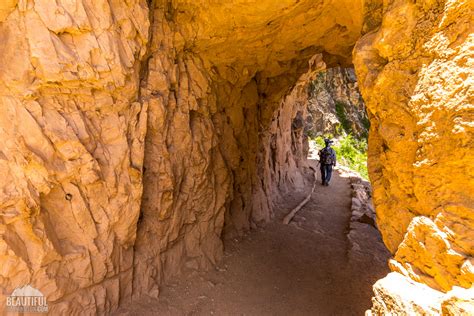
<point x="93" y="211"/>
<point x="415" y="73"/>
<point x="136" y="134"/>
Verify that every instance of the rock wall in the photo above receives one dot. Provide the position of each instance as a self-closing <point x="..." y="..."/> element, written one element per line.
<point x="105" y="100"/>
<point x="335" y="104"/>
<point x="72" y="135"/>
<point x="223" y="143"/>
<point x="415" y="74"/>
<point x="399" y="295"/>
<point x="136" y="134"/>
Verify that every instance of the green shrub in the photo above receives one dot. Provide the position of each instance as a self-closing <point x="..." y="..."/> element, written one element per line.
<point x="352" y="153"/>
<point x="319" y="141"/>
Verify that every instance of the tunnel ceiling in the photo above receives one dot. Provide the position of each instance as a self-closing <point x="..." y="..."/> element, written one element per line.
<point x="268" y="35"/>
<point x="134" y="139"/>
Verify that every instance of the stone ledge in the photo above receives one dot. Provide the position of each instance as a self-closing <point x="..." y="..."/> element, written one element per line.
<point x="398" y="295"/>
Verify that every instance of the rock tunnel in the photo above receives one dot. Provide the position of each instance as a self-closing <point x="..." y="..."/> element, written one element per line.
<point x="138" y="134"/>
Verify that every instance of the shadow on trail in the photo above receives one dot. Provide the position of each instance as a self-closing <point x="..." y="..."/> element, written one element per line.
<point x="297" y="269"/>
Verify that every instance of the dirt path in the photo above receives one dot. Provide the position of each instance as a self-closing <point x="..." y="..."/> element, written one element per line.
<point x="297" y="269"/>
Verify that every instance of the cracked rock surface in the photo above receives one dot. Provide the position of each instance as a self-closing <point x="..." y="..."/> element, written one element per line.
<point x="136" y="134"/>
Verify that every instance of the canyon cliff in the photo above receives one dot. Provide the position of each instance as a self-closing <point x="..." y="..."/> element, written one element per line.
<point x="137" y="134"/>
<point x="335" y="104"/>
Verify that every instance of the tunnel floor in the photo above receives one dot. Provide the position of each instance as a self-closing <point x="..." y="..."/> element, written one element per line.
<point x="305" y="268"/>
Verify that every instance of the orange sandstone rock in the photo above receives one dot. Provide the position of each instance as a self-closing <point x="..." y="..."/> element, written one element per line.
<point x="135" y="137"/>
<point x="415" y="73"/>
<point x="72" y="135"/>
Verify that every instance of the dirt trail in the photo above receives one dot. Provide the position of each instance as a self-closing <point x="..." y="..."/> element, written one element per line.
<point x="299" y="269"/>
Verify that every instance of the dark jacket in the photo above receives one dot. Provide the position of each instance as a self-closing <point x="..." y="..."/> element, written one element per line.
<point x="327" y="153"/>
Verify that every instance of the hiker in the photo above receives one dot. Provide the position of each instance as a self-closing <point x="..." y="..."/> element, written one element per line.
<point x="327" y="159"/>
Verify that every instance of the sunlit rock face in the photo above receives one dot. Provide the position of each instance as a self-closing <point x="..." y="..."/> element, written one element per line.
<point x="398" y="295"/>
<point x="136" y="134"/>
<point x="72" y="135"/>
<point x="415" y="73"/>
<point x="83" y="82"/>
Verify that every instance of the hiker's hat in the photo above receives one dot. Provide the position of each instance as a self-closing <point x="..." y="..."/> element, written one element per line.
<point x="328" y="141"/>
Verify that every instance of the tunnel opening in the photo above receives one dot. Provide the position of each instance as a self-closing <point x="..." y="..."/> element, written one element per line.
<point x="323" y="237"/>
<point x="239" y="84"/>
<point x="160" y="128"/>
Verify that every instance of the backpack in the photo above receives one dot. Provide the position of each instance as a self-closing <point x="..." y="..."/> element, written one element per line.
<point x="326" y="156"/>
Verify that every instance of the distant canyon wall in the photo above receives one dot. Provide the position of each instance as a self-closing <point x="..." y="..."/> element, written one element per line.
<point x="335" y="105"/>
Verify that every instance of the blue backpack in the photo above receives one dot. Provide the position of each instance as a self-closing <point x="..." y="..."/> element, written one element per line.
<point x="326" y="156"/>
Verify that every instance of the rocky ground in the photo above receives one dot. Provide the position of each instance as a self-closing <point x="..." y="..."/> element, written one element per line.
<point x="323" y="263"/>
